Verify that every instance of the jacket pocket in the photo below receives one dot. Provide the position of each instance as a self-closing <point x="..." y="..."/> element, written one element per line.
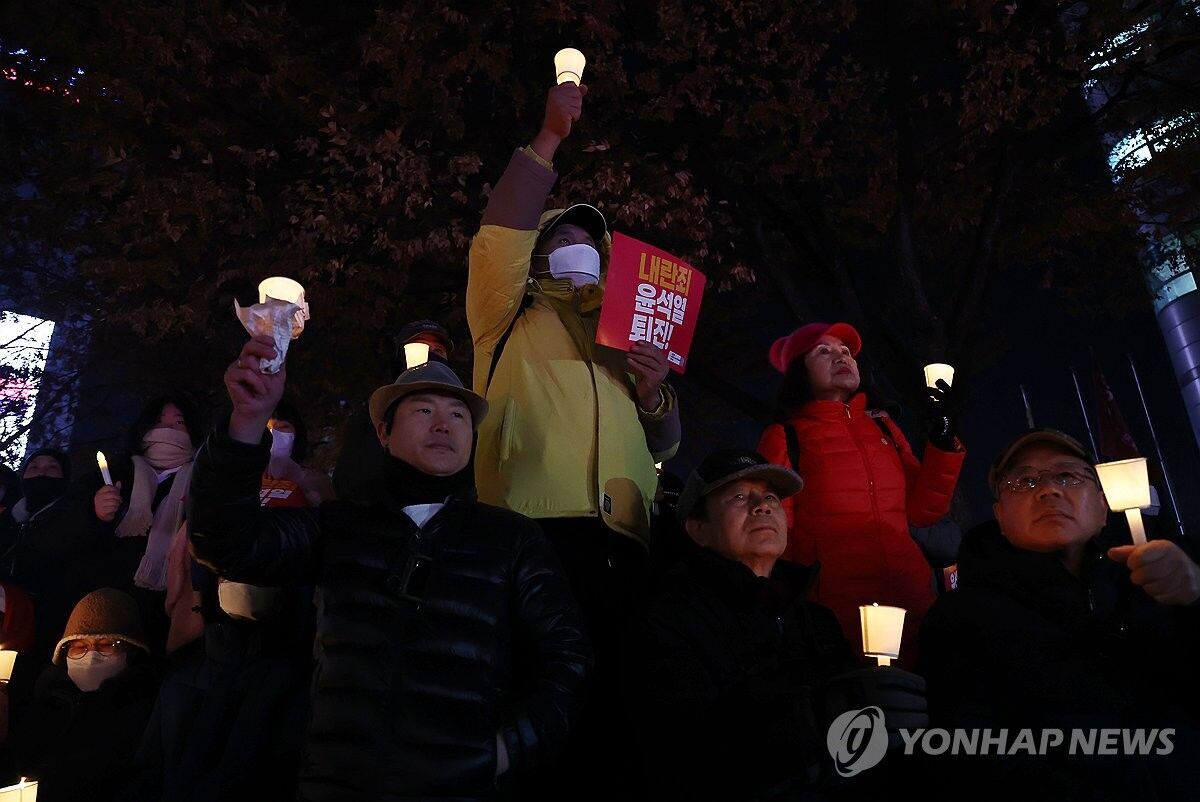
<point x="509" y="441"/>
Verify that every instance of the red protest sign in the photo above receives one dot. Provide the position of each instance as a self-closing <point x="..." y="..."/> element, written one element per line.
<point x="650" y="295"/>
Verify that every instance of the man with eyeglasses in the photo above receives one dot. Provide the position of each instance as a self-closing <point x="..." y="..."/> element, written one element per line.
<point x="1059" y="623"/>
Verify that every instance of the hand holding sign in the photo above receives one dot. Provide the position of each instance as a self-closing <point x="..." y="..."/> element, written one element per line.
<point x="649" y="365"/>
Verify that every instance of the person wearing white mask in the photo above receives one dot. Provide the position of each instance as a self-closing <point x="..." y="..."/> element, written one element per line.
<point x="81" y="731"/>
<point x="138" y="515"/>
<point x="577" y="427"/>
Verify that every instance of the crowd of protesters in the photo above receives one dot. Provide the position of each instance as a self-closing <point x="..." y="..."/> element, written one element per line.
<point x="498" y="595"/>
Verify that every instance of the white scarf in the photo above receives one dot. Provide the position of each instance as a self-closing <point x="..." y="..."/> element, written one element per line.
<point x="165" y="449"/>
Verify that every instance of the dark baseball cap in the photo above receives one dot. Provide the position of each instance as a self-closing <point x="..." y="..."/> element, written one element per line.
<point x="418" y="327"/>
<point x="1052" y="437"/>
<point x="728" y="465"/>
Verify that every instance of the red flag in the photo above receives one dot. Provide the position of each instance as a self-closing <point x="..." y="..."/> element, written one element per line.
<point x="1115" y="440"/>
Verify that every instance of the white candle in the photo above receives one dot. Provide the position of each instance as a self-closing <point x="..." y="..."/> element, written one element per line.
<point x="103" y="463"/>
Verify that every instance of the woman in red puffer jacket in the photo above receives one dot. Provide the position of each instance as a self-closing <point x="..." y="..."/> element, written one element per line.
<point x="863" y="486"/>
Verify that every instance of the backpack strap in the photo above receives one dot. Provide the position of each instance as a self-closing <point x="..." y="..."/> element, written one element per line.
<point x="793" y="445"/>
<point x="499" y="349"/>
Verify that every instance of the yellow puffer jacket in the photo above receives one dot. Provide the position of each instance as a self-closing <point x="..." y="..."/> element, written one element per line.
<point x="563" y="437"/>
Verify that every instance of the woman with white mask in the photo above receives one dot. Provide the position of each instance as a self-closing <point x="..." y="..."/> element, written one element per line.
<point x="138" y="515"/>
<point x="86" y="721"/>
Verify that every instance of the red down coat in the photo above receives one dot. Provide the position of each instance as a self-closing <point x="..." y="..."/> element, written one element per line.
<point x="861" y="492"/>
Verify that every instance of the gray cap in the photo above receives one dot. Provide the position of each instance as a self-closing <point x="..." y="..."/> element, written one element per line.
<point x="432" y="376"/>
<point x="722" y="467"/>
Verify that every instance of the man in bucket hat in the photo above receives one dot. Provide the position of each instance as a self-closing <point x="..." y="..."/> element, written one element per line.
<point x="449" y="649"/>
<point x="739" y="675"/>
<point x="361" y="457"/>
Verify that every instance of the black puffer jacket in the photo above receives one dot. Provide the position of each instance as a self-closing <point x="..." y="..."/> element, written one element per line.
<point x="728" y="665"/>
<point x="1022" y="643"/>
<point x="419" y="663"/>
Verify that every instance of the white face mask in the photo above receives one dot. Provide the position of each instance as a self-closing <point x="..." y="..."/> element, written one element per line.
<point x="247" y="602"/>
<point x="93" y="669"/>
<point x="579" y="263"/>
<point x="282" y="443"/>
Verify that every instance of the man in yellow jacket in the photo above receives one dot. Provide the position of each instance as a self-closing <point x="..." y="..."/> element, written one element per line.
<point x="577" y="427"/>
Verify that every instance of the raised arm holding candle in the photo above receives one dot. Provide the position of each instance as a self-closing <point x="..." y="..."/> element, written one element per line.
<point x="577" y="427"/>
<point x="417" y="544"/>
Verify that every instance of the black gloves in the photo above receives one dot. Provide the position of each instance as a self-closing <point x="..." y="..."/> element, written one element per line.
<point x="899" y="694"/>
<point x="943" y="434"/>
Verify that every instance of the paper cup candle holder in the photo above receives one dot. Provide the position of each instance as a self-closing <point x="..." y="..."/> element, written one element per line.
<point x="280" y="314"/>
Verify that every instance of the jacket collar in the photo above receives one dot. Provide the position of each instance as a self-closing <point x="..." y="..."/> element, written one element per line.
<point x="1040" y="580"/>
<point x="831" y="410"/>
<point x="741" y="588"/>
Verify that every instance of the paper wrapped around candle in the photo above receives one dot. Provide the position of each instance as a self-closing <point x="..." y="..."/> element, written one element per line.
<point x="938" y="370"/>
<point x="882" y="628"/>
<point x="568" y="65"/>
<point x="415" y="354"/>
<point x="24" y="791"/>
<point x="279" y="320"/>
<point x="7" y="658"/>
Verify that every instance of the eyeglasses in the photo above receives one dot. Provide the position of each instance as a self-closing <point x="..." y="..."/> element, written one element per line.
<point x="105" y="646"/>
<point x="1030" y="481"/>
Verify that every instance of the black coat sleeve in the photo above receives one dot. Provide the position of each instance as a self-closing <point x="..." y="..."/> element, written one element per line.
<point x="231" y="533"/>
<point x="549" y="621"/>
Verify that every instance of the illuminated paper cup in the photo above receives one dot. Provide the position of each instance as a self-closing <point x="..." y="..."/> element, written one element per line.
<point x="882" y="629"/>
<point x="7" y="659"/>
<point x="568" y="65"/>
<point x="415" y="354"/>
<point x="1126" y="484"/>
<point x="284" y="289"/>
<point x="24" y="791"/>
<point x="938" y="370"/>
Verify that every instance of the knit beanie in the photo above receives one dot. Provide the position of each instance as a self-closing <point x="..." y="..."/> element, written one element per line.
<point x="104" y="613"/>
<point x="59" y="456"/>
